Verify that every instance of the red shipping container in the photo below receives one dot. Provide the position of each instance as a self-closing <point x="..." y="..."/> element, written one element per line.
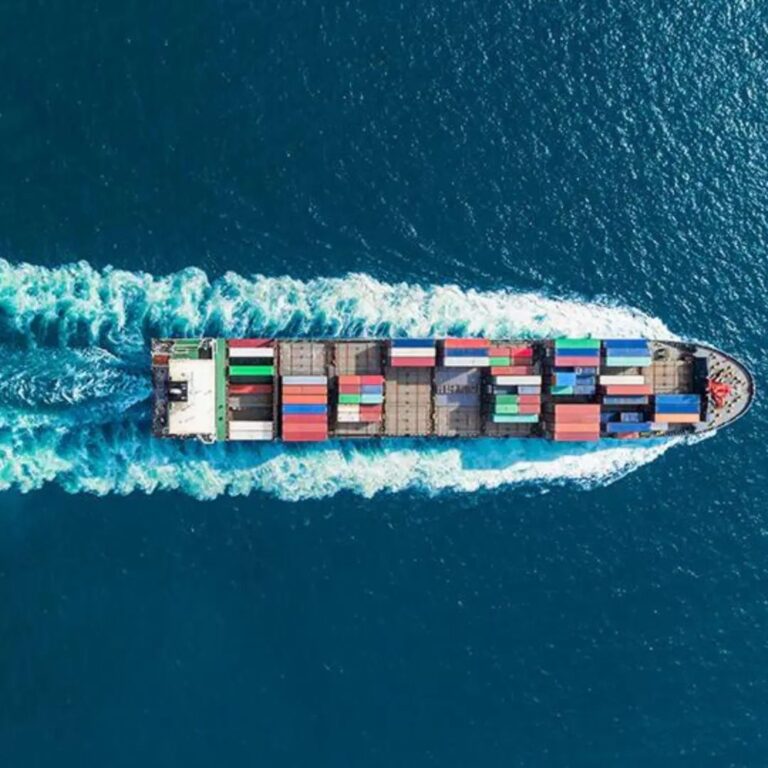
<point x="305" y="418"/>
<point x="413" y="362"/>
<point x="371" y="379"/>
<point x="305" y="437"/>
<point x="251" y="342"/>
<point x="305" y="426"/>
<point x="305" y="399"/>
<point x="528" y="408"/>
<point x="250" y="389"/>
<point x="522" y="352"/>
<point x="499" y="352"/>
<point x="350" y="379"/>
<point x="529" y="399"/>
<point x="628" y="435"/>
<point x="569" y="408"/>
<point x="350" y="389"/>
<point x="467" y="343"/>
<point x="629" y="389"/>
<point x="306" y="389"/>
<point x="577" y="425"/>
<point x="512" y="370"/>
<point x="561" y="361"/>
<point x="572" y="437"/>
<point x="160" y="359"/>
<point x="371" y="410"/>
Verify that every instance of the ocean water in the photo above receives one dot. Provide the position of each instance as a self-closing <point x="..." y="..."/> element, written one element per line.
<point x="294" y="168"/>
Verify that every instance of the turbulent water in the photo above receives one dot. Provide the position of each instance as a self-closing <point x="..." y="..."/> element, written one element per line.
<point x="294" y="168"/>
<point x="74" y="388"/>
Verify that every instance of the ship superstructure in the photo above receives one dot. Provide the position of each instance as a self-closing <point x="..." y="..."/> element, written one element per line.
<point x="566" y="389"/>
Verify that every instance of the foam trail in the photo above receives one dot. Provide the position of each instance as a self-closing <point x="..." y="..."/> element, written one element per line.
<point x="124" y="460"/>
<point x="77" y="305"/>
<point x="74" y="388"/>
<point x="66" y="387"/>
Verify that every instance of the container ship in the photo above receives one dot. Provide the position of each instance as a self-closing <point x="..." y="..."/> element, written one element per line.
<point x="565" y="389"/>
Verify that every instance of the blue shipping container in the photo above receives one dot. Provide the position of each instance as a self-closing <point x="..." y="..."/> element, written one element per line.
<point x="623" y="426"/>
<point x="631" y="343"/>
<point x="675" y="398"/>
<point x="372" y="389"/>
<point x="565" y="379"/>
<point x="625" y="400"/>
<point x="468" y="352"/>
<point x="581" y="369"/>
<point x="677" y="407"/>
<point x="305" y="409"/>
<point x="413" y="343"/>
<point x="632" y="416"/>
<point x="583" y="390"/>
<point x="565" y="352"/>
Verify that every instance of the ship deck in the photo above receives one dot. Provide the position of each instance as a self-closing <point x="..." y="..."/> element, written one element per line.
<point x="418" y="402"/>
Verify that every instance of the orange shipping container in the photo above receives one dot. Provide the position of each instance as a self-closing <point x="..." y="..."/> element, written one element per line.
<point x="576" y="426"/>
<point x="566" y="409"/>
<point x="677" y="418"/>
<point x="571" y="437"/>
<point x="305" y="399"/>
<point x="512" y="370"/>
<point x="306" y="389"/>
<point x="629" y="389"/>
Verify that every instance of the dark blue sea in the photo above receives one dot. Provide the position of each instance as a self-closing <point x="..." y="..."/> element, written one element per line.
<point x="519" y="167"/>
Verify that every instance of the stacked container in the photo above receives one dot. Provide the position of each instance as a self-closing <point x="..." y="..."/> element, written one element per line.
<point x="412" y="353"/>
<point x="511" y="360"/>
<point x="626" y="353"/>
<point x="626" y="424"/>
<point x="625" y="389"/>
<point x="361" y="399"/>
<point x="251" y="389"/>
<point x="305" y="408"/>
<point x="575" y="367"/>
<point x="467" y="353"/>
<point x="574" y="422"/>
<point x="577" y="353"/>
<point x="677" y="409"/>
<point x="516" y="396"/>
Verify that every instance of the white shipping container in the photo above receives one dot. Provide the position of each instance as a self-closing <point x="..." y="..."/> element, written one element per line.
<point x="250" y="425"/>
<point x="250" y="436"/>
<point x="251" y="352"/>
<point x="349" y="418"/>
<point x="622" y="380"/>
<point x="305" y="380"/>
<point x="517" y="381"/>
<point x="398" y="352"/>
<point x="466" y="362"/>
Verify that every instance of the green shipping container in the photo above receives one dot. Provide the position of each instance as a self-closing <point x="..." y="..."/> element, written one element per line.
<point x="577" y="343"/>
<point x="627" y="362"/>
<point x="520" y="418"/>
<point x="507" y="399"/>
<point x="507" y="409"/>
<point x="350" y="399"/>
<point x="500" y="361"/>
<point x="561" y="390"/>
<point x="252" y="370"/>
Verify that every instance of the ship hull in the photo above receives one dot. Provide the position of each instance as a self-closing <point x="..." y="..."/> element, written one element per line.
<point x="567" y="390"/>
